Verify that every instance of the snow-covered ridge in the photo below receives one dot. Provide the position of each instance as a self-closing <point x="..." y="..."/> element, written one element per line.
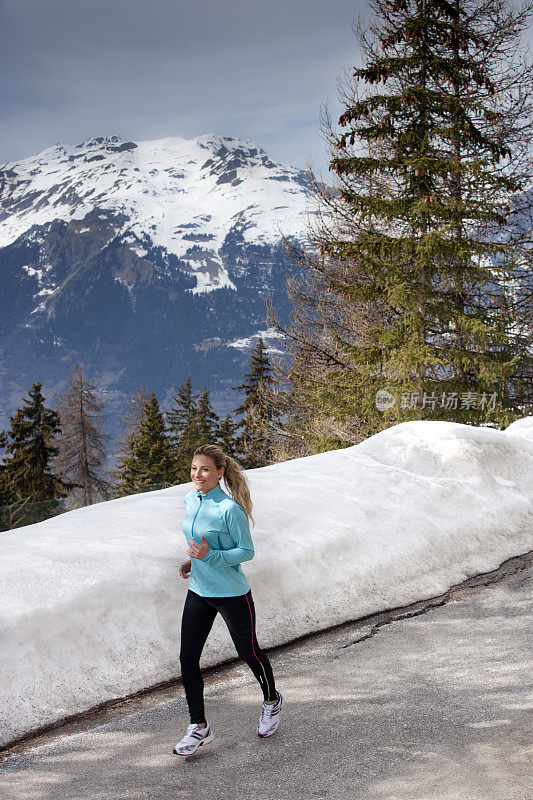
<point x="91" y="600"/>
<point x="183" y="195"/>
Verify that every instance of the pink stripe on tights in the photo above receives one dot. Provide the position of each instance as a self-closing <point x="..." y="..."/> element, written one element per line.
<point x="253" y="648"/>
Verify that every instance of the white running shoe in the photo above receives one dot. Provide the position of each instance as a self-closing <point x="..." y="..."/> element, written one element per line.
<point x="269" y="719"/>
<point x="194" y="737"/>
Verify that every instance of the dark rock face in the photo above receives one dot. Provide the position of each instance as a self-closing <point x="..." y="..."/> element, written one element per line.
<point x="145" y="261"/>
<point x="130" y="320"/>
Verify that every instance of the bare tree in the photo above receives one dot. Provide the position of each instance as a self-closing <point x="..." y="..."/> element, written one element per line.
<point x="81" y="443"/>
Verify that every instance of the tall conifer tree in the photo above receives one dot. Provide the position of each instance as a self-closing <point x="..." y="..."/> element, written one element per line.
<point x="182" y="421"/>
<point x="131" y="421"/>
<point x="258" y="412"/>
<point x="412" y="290"/>
<point x="150" y="459"/>
<point x="5" y="495"/>
<point x="181" y="416"/>
<point x="28" y="481"/>
<point x="227" y="436"/>
<point x="207" y="421"/>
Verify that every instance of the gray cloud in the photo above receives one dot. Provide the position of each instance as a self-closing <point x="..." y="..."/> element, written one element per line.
<point x="78" y="68"/>
<point x="71" y="69"/>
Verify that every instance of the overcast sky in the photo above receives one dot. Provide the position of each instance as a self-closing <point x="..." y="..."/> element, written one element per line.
<point x="146" y="69"/>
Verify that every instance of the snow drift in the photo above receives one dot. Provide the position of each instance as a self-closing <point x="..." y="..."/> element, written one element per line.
<point x="91" y="600"/>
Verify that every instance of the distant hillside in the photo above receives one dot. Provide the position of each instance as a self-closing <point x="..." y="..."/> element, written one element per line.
<point x="147" y="261"/>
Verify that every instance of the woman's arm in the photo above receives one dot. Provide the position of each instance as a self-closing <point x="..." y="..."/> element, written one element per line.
<point x="237" y="523"/>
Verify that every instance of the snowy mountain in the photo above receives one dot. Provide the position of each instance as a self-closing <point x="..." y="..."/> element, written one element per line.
<point x="148" y="261"/>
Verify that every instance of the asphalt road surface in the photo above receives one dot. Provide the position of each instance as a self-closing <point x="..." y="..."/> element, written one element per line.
<point x="428" y="702"/>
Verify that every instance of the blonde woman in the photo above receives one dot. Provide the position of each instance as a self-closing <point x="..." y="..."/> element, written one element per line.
<point x="218" y="534"/>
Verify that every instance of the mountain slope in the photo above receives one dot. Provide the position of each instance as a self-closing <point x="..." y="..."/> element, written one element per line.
<point x="148" y="261"/>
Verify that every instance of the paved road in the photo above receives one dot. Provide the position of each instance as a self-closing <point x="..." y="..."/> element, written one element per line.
<point x="432" y="705"/>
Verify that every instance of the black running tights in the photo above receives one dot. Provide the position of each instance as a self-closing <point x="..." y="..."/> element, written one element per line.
<point x="239" y="615"/>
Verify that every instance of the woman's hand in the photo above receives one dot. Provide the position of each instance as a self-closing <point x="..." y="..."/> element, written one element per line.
<point x="196" y="550"/>
<point x="185" y="568"/>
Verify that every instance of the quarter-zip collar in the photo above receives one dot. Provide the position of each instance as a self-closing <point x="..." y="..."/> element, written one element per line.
<point x="212" y="493"/>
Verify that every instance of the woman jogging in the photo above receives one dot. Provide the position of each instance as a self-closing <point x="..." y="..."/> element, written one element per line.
<point x="217" y="530"/>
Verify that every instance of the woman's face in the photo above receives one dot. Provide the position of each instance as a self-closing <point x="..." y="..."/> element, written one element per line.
<point x="204" y="474"/>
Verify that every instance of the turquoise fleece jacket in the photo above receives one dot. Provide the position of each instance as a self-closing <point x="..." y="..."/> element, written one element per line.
<point x="225" y="527"/>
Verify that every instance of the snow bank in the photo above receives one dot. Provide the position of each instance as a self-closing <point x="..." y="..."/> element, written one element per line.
<point x="91" y="600"/>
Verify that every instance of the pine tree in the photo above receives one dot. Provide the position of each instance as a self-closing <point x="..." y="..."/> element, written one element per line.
<point x="180" y="417"/>
<point x="192" y="422"/>
<point x="132" y="417"/>
<point x="81" y="450"/>
<point x="201" y="426"/>
<point x="226" y="436"/>
<point x="259" y="415"/>
<point x="206" y="421"/>
<point x="153" y="451"/>
<point x="131" y="422"/>
<point x="412" y="289"/>
<point x="149" y="460"/>
<point x="182" y="421"/>
<point x="33" y="492"/>
<point x="5" y="495"/>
